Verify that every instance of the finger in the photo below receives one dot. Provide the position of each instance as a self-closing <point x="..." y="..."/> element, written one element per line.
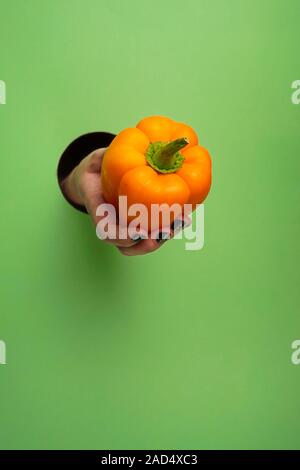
<point x="104" y="217"/>
<point x="141" y="248"/>
<point x="152" y="243"/>
<point x="112" y="233"/>
<point x="181" y="223"/>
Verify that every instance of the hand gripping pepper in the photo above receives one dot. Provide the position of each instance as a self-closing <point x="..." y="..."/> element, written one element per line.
<point x="157" y="162"/>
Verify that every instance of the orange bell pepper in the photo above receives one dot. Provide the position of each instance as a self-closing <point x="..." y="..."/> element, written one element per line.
<point x="158" y="161"/>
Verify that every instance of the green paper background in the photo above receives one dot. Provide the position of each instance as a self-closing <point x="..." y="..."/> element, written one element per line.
<point x="178" y="349"/>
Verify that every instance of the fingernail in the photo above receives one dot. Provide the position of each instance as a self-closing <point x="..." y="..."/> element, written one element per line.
<point x="162" y="237"/>
<point x="137" y="237"/>
<point x="179" y="224"/>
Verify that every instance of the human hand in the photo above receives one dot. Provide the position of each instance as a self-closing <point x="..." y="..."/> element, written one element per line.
<point x="83" y="186"/>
